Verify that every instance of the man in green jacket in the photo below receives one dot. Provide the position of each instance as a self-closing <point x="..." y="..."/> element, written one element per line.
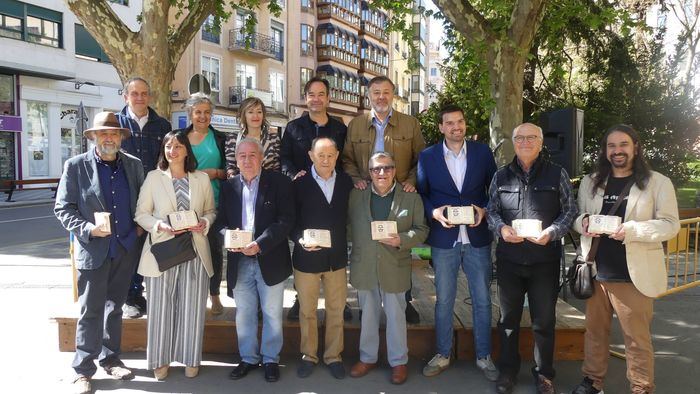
<point x="381" y="269"/>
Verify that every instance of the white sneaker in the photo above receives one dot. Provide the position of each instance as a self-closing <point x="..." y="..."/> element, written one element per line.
<point x="488" y="368"/>
<point x="436" y="365"/>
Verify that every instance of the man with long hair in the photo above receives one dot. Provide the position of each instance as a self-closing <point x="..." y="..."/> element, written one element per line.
<point x="629" y="263"/>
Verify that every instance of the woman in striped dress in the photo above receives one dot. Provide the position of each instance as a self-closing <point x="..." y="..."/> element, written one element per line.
<point x="177" y="298"/>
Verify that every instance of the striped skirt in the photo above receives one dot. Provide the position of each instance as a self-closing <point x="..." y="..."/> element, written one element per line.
<point x="177" y="302"/>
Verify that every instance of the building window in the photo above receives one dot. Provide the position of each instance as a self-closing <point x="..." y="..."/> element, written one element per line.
<point x="277" y="33"/>
<point x="277" y="88"/>
<point x="208" y="31"/>
<point x="307" y="40"/>
<point x="42" y="31"/>
<point x="307" y="6"/>
<point x="120" y="2"/>
<point x="86" y="47"/>
<point x="10" y="27"/>
<point x="433" y="71"/>
<point x="7" y="94"/>
<point x="31" y="23"/>
<point x="306" y="74"/>
<point x="37" y="138"/>
<point x="210" y="70"/>
<point x="245" y="76"/>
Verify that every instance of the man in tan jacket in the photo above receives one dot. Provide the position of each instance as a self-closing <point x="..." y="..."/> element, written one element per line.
<point x="629" y="263"/>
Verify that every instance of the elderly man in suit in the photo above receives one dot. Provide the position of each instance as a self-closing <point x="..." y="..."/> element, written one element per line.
<point x="458" y="173"/>
<point x="105" y="181"/>
<point x="380" y="270"/>
<point x="260" y="201"/>
<point x="321" y="197"/>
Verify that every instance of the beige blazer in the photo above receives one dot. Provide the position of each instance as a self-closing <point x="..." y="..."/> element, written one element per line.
<point x="157" y="200"/>
<point x="651" y="217"/>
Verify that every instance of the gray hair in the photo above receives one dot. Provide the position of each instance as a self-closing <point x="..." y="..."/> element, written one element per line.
<point x="536" y="127"/>
<point x="319" y="139"/>
<point x="380" y="155"/>
<point x="131" y="80"/>
<point x="196" y="99"/>
<point x="249" y="141"/>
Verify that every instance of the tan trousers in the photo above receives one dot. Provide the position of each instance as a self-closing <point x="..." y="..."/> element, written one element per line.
<point x="335" y="292"/>
<point x="634" y="311"/>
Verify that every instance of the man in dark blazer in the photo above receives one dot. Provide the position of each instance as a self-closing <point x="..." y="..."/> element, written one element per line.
<point x="260" y="201"/>
<point x="321" y="198"/>
<point x="456" y="172"/>
<point x="101" y="180"/>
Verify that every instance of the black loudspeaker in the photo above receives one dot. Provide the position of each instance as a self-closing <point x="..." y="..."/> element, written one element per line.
<point x="563" y="137"/>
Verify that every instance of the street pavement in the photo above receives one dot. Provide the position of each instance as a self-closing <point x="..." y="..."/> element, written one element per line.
<point x="35" y="283"/>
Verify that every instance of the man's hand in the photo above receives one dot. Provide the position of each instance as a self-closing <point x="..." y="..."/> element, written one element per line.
<point x="251" y="249"/>
<point x="543" y="239"/>
<point x="619" y="235"/>
<point x="394" y="241"/>
<point x="299" y="174"/>
<point x="408" y="187"/>
<point x="199" y="227"/>
<point x="98" y="233"/>
<point x="439" y="215"/>
<point x="479" y="215"/>
<point x="361" y="184"/>
<point x="584" y="224"/>
<point x="509" y="235"/>
<point x="313" y="248"/>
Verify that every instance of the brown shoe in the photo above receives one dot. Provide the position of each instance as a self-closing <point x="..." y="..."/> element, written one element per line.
<point x="399" y="374"/>
<point x="216" y="307"/>
<point x="81" y="385"/>
<point x="361" y="369"/>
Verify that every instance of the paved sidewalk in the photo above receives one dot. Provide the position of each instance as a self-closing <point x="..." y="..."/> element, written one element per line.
<point x="23" y="198"/>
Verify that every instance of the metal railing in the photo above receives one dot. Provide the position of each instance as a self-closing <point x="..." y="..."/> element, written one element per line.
<point x="682" y="260"/>
<point x="257" y="42"/>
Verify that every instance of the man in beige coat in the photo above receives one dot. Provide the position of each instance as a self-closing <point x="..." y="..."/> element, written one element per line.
<point x="629" y="263"/>
<point x="380" y="270"/>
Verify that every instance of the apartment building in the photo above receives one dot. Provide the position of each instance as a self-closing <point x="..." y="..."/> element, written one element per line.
<point x="399" y="71"/>
<point x="49" y="66"/>
<point x="435" y="79"/>
<point x="421" y="38"/>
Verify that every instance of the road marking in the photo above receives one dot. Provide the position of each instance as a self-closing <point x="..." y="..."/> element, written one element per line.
<point x="23" y="219"/>
<point x="11" y="248"/>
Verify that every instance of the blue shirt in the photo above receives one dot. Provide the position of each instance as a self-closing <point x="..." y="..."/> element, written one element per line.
<point x="379" y="127"/>
<point x="116" y="193"/>
<point x="249" y="194"/>
<point x="327" y="186"/>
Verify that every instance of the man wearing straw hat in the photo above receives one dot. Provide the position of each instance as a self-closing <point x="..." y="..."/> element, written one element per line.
<point x="96" y="201"/>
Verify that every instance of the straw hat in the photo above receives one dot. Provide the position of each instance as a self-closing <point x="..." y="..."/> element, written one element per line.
<point x="106" y="121"/>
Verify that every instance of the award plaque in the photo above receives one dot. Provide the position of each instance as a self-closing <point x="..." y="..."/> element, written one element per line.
<point x="102" y="221"/>
<point x="603" y="224"/>
<point x="317" y="238"/>
<point x="527" y="228"/>
<point x="237" y="239"/>
<point x="182" y="220"/>
<point x="460" y="215"/>
<point x="382" y="229"/>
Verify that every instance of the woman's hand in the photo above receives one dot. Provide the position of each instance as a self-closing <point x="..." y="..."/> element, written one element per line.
<point x="215" y="173"/>
<point x="165" y="228"/>
<point x="200" y="227"/>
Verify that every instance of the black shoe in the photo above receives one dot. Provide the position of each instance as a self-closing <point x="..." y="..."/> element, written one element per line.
<point x="347" y="313"/>
<point x="505" y="384"/>
<point x="586" y="387"/>
<point x="293" y="313"/>
<point x="337" y="369"/>
<point x="544" y="385"/>
<point x="272" y="372"/>
<point x="412" y="316"/>
<point x="305" y="369"/>
<point x="242" y="370"/>
<point x="140" y="302"/>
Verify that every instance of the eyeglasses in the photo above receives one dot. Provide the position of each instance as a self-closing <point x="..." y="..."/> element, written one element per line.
<point x="522" y="138"/>
<point x="378" y="170"/>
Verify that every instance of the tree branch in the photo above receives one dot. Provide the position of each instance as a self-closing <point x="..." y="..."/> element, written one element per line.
<point x="467" y="20"/>
<point x="524" y="22"/>
<point x="104" y="25"/>
<point x="189" y="26"/>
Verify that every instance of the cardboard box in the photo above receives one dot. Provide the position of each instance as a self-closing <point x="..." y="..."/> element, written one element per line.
<point x="382" y="229"/>
<point x="237" y="239"/>
<point x="527" y="228"/>
<point x="102" y="221"/>
<point x="182" y="220"/>
<point x="317" y="238"/>
<point x="603" y="224"/>
<point x="460" y="215"/>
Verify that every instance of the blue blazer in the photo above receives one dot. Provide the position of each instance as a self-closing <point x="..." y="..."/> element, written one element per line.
<point x="437" y="188"/>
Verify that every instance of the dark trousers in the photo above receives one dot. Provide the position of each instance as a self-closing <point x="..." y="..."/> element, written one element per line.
<point x="136" y="287"/>
<point x="101" y="294"/>
<point x="541" y="283"/>
<point x="217" y="261"/>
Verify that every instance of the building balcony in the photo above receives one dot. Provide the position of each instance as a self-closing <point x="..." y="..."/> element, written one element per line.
<point x="373" y="30"/>
<point x="372" y="67"/>
<point x="345" y="97"/>
<point x="331" y="10"/>
<point x="236" y="95"/>
<point x="330" y="53"/>
<point x="260" y="45"/>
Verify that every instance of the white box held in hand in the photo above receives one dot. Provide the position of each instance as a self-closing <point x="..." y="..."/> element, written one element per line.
<point x="102" y="221"/>
<point x="317" y="238"/>
<point x="460" y="215"/>
<point x="182" y="220"/>
<point x="237" y="239"/>
<point x="382" y="229"/>
<point x="527" y="228"/>
<point x="603" y="224"/>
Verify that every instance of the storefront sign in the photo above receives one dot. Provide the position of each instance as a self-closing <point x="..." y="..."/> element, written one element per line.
<point x="223" y="120"/>
<point x="10" y="123"/>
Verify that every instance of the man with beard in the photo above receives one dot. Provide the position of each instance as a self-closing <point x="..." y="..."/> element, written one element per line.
<point x="101" y="182"/>
<point x="630" y="269"/>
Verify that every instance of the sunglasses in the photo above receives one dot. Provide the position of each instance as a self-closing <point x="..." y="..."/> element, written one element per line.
<point x="378" y="170"/>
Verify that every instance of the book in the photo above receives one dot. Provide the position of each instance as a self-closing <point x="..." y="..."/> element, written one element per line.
<point x="382" y="229"/>
<point x="317" y="238"/>
<point x="182" y="220"/>
<point x="527" y="228"/>
<point x="237" y="239"/>
<point x="603" y="224"/>
<point x="102" y="221"/>
<point x="460" y="215"/>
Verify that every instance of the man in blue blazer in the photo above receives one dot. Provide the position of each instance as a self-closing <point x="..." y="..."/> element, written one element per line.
<point x="456" y="172"/>
<point x="101" y="180"/>
<point x="260" y="201"/>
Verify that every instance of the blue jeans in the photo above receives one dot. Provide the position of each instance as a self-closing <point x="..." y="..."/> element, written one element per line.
<point x="249" y="286"/>
<point x="476" y="264"/>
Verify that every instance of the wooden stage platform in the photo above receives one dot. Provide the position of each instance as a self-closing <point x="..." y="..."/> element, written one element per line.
<point x="220" y="331"/>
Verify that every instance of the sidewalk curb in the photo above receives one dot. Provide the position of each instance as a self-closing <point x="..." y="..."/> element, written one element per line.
<point x="18" y="204"/>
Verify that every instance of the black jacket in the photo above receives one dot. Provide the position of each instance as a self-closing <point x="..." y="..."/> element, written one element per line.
<point x="297" y="139"/>
<point x="314" y="212"/>
<point x="220" y="138"/>
<point x="144" y="144"/>
<point x="274" y="219"/>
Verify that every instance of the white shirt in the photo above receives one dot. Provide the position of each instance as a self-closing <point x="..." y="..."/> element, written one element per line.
<point x="457" y="167"/>
<point x="141" y="121"/>
<point x="327" y="185"/>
